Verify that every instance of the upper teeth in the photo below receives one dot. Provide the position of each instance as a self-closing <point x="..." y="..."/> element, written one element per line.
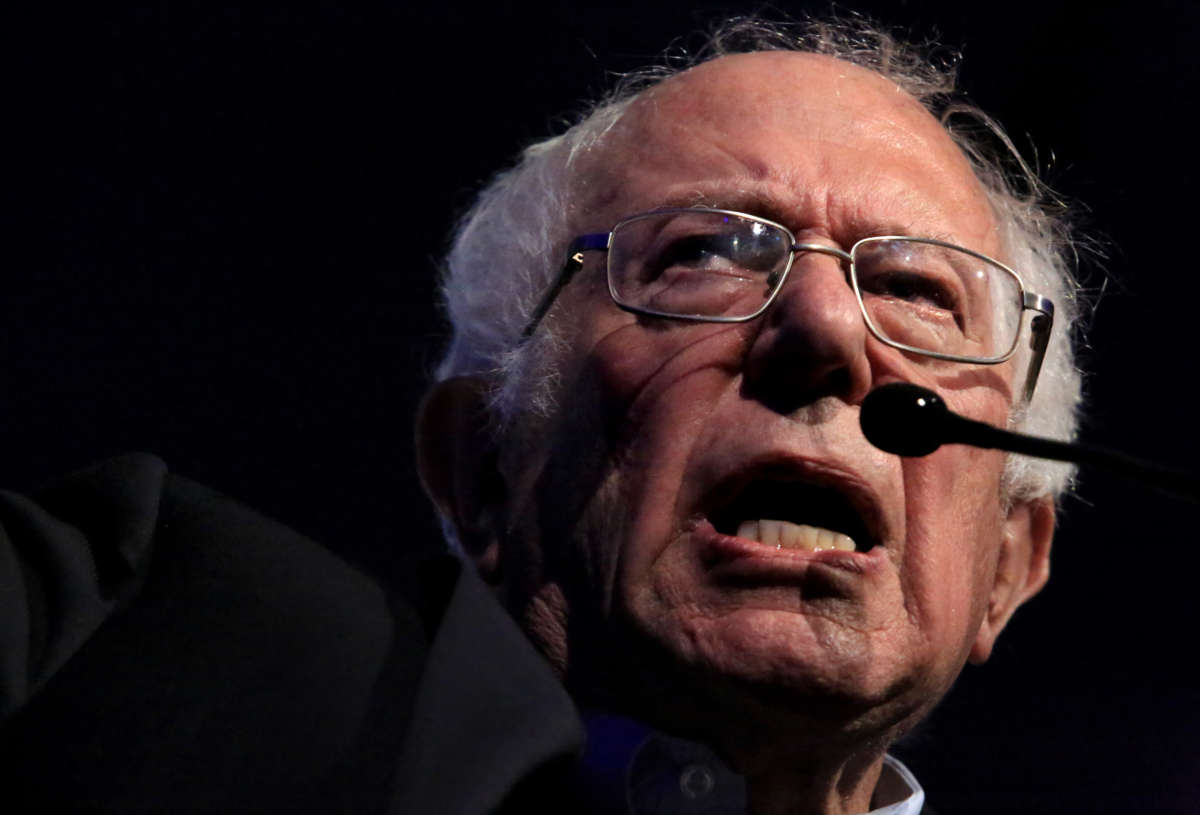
<point x="787" y="535"/>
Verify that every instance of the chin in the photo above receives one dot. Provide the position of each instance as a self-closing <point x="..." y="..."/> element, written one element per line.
<point x="765" y="672"/>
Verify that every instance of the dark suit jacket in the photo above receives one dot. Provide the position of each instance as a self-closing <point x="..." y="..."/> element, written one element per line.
<point x="164" y="649"/>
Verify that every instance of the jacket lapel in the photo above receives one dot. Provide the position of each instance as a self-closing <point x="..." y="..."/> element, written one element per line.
<point x="488" y="712"/>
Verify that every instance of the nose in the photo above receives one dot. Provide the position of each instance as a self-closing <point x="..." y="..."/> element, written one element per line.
<point x="813" y="341"/>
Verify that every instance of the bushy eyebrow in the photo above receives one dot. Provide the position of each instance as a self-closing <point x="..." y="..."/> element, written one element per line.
<point x="765" y="205"/>
<point x="752" y="202"/>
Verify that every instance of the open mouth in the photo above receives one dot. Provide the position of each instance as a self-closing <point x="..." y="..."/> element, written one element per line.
<point x="786" y="514"/>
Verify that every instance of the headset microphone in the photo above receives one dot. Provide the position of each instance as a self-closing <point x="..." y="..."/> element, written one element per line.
<point x="909" y="420"/>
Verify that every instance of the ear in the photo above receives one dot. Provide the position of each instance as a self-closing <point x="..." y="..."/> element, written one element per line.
<point x="457" y="462"/>
<point x="1022" y="568"/>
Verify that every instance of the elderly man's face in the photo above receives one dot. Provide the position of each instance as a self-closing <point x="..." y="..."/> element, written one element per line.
<point x="619" y="531"/>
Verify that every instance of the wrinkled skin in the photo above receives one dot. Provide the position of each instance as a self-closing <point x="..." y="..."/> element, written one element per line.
<point x="800" y="667"/>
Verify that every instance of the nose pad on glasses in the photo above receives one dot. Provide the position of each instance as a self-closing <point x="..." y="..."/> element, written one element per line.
<point x="813" y="341"/>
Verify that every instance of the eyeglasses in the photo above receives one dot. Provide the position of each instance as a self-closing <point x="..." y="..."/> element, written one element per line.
<point x="919" y="295"/>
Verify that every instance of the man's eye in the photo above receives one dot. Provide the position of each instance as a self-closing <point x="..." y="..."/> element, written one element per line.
<point x="722" y="252"/>
<point x="911" y="287"/>
<point x="694" y="250"/>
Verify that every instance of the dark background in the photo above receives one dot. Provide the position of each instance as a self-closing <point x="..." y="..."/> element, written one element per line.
<point x="223" y="230"/>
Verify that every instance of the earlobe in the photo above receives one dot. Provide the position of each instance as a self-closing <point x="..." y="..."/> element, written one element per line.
<point x="457" y="463"/>
<point x="1022" y="568"/>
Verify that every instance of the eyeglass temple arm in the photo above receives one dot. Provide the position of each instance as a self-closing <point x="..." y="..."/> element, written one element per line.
<point x="1039" y="339"/>
<point x="583" y="243"/>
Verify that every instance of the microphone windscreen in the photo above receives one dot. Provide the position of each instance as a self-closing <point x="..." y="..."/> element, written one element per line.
<point x="903" y="419"/>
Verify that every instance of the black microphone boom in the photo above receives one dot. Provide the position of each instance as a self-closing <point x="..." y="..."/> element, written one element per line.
<point x="909" y="420"/>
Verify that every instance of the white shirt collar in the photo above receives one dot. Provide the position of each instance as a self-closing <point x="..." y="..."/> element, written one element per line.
<point x="898" y="785"/>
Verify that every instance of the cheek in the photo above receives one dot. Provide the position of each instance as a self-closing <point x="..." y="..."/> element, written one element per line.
<point x="641" y="367"/>
<point x="952" y="499"/>
<point x="953" y="536"/>
<point x="653" y="385"/>
<point x="658" y="391"/>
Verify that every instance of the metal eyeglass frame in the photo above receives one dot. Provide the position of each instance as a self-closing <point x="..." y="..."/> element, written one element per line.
<point x="1040" y="325"/>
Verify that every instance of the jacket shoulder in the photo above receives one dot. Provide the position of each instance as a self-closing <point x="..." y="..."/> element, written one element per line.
<point x="234" y="662"/>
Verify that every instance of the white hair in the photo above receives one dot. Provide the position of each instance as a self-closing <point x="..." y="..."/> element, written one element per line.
<point x="512" y="242"/>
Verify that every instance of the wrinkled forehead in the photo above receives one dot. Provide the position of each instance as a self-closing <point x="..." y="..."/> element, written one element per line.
<point x="785" y="120"/>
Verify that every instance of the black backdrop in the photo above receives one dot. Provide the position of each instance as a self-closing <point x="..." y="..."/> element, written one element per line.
<point x="223" y="225"/>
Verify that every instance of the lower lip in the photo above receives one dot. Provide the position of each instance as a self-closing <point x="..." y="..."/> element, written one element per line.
<point x="750" y="558"/>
